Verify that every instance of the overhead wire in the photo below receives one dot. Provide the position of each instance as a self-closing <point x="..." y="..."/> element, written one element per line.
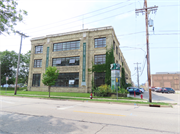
<point x="84" y="14"/>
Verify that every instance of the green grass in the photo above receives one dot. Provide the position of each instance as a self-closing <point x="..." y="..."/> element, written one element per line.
<point x="85" y="95"/>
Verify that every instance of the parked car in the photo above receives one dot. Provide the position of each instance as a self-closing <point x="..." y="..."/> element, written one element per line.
<point x="153" y="89"/>
<point x="131" y="91"/>
<point x="142" y="90"/>
<point x="158" y="89"/>
<point x="167" y="90"/>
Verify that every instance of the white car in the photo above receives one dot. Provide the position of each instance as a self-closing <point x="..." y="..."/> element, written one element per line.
<point x="142" y="90"/>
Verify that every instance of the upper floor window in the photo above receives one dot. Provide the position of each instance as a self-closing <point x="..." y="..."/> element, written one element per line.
<point x="114" y="45"/>
<point x="99" y="59"/>
<point x="37" y="63"/>
<point x="38" y="49"/>
<point x="36" y="80"/>
<point x="63" y="46"/>
<point x="116" y="50"/>
<point x="100" y="42"/>
<point x="68" y="61"/>
<point x="119" y="56"/>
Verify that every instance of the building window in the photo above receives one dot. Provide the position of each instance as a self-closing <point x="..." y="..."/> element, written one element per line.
<point x="116" y="61"/>
<point x="119" y="56"/>
<point x="113" y="45"/>
<point x="116" y="50"/>
<point x="63" y="46"/>
<point x="99" y="59"/>
<point x="99" y="79"/>
<point x="36" y="80"/>
<point x="37" y="63"/>
<point x="38" y="49"/>
<point x="67" y="80"/>
<point x="100" y="42"/>
<point x="68" y="61"/>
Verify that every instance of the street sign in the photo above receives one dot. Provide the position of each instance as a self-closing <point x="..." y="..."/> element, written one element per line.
<point x="6" y="78"/>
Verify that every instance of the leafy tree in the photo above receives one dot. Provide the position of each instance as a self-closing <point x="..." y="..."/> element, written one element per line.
<point x="9" y="15"/>
<point x="8" y="66"/>
<point x="123" y="78"/>
<point x="50" y="76"/>
<point x="24" y="68"/>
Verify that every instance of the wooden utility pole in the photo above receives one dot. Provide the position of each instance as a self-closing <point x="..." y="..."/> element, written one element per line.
<point x="147" y="10"/>
<point x="22" y="35"/>
<point x="137" y="73"/>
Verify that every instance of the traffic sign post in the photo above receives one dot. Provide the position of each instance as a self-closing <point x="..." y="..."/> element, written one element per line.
<point x="115" y="77"/>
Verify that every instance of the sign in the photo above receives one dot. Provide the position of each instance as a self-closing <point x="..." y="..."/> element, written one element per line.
<point x="115" y="66"/>
<point x="116" y="79"/>
<point x="47" y="57"/>
<point x="84" y="63"/>
<point x="6" y="78"/>
<point x="71" y="82"/>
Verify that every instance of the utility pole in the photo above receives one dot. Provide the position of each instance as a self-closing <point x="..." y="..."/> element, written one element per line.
<point x="147" y="11"/>
<point x="137" y="73"/>
<point x="22" y="35"/>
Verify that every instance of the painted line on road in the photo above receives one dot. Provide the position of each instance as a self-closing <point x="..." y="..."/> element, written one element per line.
<point x="99" y="113"/>
<point x="63" y="108"/>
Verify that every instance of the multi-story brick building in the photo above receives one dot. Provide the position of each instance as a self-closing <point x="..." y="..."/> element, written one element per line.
<point x="73" y="53"/>
<point x="165" y="79"/>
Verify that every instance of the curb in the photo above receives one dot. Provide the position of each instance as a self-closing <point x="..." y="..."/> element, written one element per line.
<point x="70" y="99"/>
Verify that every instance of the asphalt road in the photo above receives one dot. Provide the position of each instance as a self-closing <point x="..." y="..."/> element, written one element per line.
<point x="42" y="116"/>
<point x="162" y="97"/>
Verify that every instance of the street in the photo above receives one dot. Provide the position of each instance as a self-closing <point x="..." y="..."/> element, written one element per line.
<point x="44" y="116"/>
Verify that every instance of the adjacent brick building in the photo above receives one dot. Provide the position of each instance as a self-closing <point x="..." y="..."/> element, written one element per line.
<point x="73" y="53"/>
<point x="165" y="79"/>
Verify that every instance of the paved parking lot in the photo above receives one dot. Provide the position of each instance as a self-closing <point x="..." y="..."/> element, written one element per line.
<point x="163" y="97"/>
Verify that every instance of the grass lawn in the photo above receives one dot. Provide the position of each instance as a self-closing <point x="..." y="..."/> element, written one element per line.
<point x="84" y="95"/>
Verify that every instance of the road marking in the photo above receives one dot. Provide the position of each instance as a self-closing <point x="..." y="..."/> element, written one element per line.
<point x="63" y="108"/>
<point x="99" y="113"/>
<point x="7" y="101"/>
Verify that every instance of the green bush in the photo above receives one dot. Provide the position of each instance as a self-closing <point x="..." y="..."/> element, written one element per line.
<point x="103" y="90"/>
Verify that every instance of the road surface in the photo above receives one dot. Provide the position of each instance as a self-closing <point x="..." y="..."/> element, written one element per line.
<point x="43" y="116"/>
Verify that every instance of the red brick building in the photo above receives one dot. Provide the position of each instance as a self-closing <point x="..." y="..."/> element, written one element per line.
<point x="166" y="79"/>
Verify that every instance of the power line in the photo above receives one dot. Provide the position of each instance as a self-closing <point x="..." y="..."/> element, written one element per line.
<point x="93" y="21"/>
<point x="81" y="14"/>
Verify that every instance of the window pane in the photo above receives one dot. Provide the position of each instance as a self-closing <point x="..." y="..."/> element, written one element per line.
<point x="38" y="49"/>
<point x="99" y="59"/>
<point x="67" y="80"/>
<point x="36" y="80"/>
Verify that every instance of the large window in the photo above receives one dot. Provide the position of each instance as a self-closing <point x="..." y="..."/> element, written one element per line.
<point x="113" y="45"/>
<point x="63" y="46"/>
<point x="67" y="80"/>
<point x="38" y="49"/>
<point x="68" y="61"/>
<point x="99" y="79"/>
<point x="37" y="63"/>
<point x="36" y="80"/>
<point x="100" y="42"/>
<point x="99" y="59"/>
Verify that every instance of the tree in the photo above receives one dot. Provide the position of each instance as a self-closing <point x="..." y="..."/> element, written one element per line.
<point x="50" y="76"/>
<point x="24" y="68"/>
<point x="123" y="78"/>
<point x="9" y="15"/>
<point x="8" y="66"/>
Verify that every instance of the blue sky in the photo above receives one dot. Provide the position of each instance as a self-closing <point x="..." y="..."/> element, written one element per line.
<point x="57" y="16"/>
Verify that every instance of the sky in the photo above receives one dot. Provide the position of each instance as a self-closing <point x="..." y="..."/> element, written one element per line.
<point x="47" y="17"/>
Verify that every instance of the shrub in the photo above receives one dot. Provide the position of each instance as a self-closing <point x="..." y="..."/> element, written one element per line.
<point x="103" y="90"/>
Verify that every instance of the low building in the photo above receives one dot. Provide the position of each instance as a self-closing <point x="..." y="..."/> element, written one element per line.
<point x="73" y="53"/>
<point x="166" y="79"/>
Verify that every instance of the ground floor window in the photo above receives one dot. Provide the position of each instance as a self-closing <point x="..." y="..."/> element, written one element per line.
<point x="99" y="79"/>
<point x="36" y="80"/>
<point x="67" y="80"/>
